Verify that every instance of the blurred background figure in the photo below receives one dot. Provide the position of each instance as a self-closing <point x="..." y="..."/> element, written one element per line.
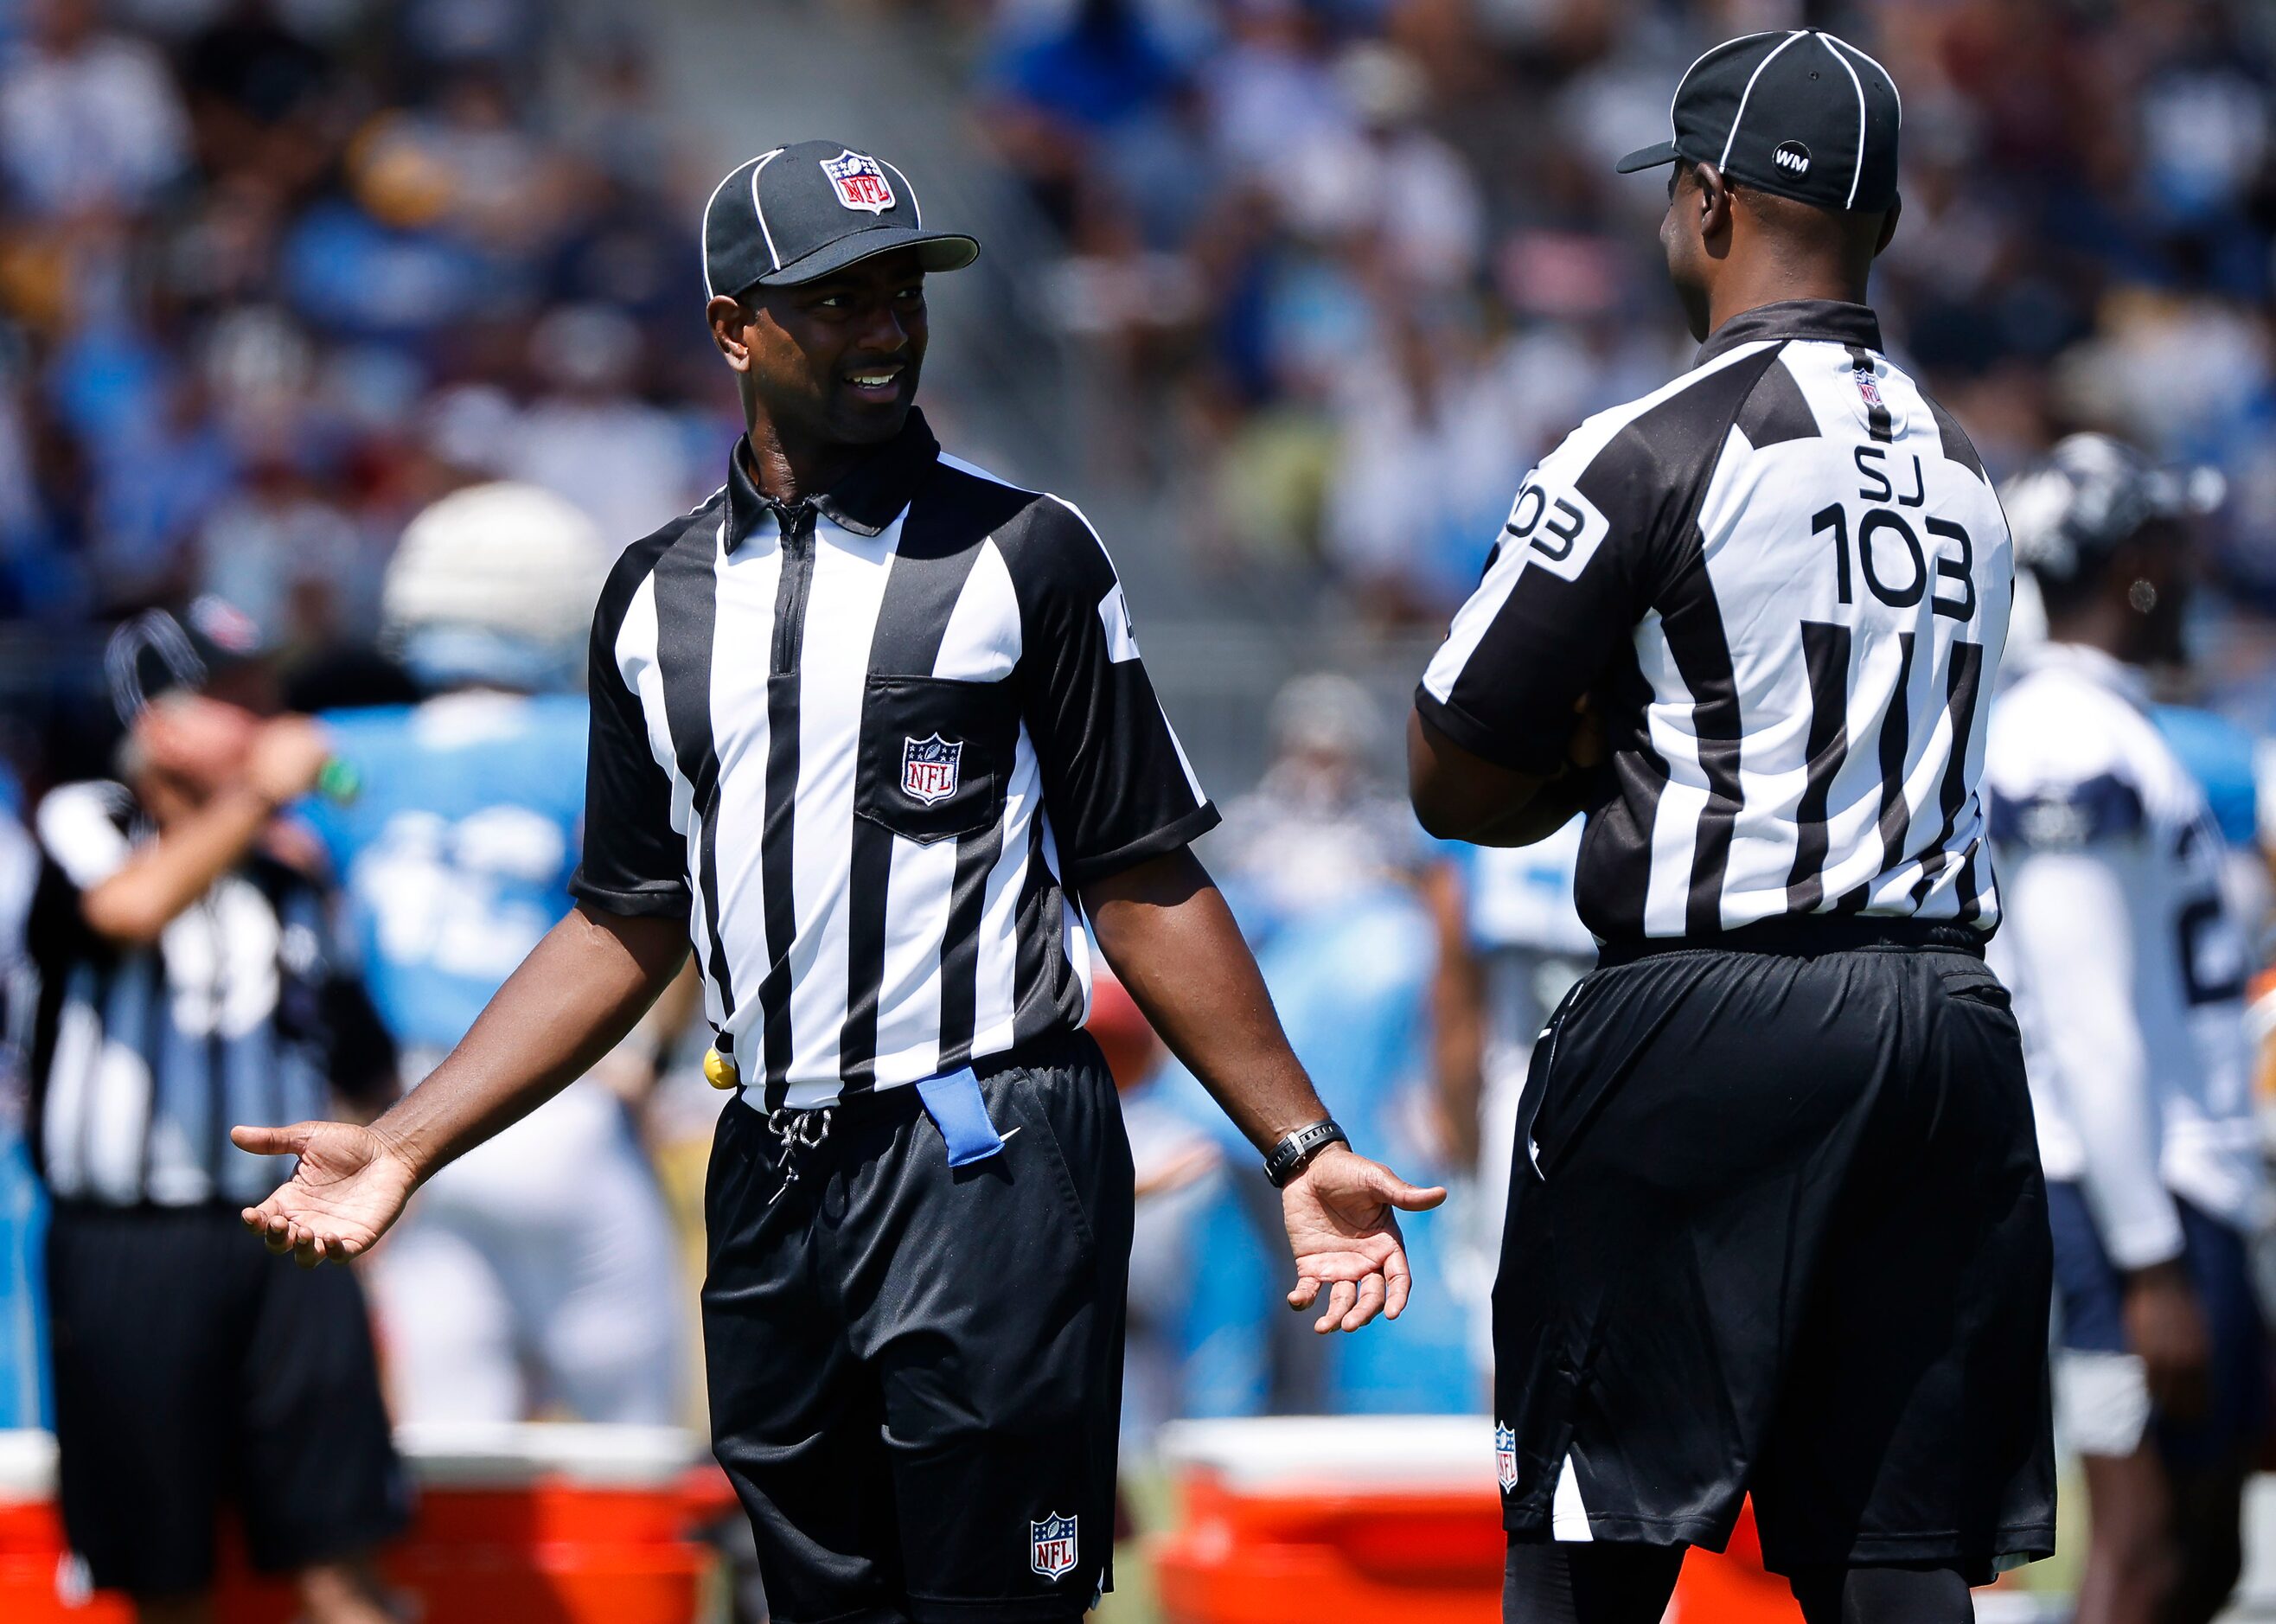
<point x="2130" y="962"/>
<point x="187" y="977"/>
<point x="536" y="1275"/>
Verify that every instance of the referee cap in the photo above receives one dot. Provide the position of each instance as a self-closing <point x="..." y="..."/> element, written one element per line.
<point x="2090" y="496"/>
<point x="796" y="213"/>
<point x="1800" y="114"/>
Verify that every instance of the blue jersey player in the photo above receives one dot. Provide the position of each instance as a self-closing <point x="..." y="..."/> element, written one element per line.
<point x="537" y="1271"/>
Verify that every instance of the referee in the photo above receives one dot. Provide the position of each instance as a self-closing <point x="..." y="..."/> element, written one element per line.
<point x="1776" y="1224"/>
<point x="185" y="979"/>
<point x="870" y="727"/>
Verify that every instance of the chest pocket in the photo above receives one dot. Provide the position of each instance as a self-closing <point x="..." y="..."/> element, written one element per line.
<point x="936" y="756"/>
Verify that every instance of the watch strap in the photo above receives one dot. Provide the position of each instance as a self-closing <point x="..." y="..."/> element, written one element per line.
<point x="1293" y="1154"/>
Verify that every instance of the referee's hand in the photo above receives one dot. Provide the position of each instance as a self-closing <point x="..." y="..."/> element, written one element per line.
<point x="1343" y="1227"/>
<point x="349" y="1188"/>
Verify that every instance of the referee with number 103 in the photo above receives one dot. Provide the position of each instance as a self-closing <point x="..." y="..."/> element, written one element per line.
<point x="1777" y="1227"/>
<point x="870" y="728"/>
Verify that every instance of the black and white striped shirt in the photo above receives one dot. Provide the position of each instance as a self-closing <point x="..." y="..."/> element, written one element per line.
<point x="864" y="745"/>
<point x="142" y="1057"/>
<point x="1785" y="581"/>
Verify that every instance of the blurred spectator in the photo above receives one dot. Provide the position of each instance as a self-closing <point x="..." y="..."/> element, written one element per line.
<point x="590" y="438"/>
<point x="1322" y="825"/>
<point x="90" y="121"/>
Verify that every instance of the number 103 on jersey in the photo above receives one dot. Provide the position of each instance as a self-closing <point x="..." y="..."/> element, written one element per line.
<point x="1901" y="558"/>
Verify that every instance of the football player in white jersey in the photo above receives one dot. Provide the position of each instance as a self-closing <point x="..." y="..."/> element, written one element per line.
<point x="2130" y="970"/>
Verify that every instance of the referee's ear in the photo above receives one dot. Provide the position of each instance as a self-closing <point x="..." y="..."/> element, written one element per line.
<point x="1714" y="201"/>
<point x="728" y="318"/>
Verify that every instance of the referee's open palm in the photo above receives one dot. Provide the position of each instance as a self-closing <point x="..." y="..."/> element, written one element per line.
<point x="1342" y="1213"/>
<point x="349" y="1185"/>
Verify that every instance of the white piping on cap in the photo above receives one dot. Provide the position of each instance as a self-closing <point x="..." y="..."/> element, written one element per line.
<point x="703" y="231"/>
<point x="1740" y="117"/>
<point x="1890" y="78"/>
<point x="761" y="212"/>
<point x="1856" y="170"/>
<point x="1710" y="51"/>
<point x="910" y="190"/>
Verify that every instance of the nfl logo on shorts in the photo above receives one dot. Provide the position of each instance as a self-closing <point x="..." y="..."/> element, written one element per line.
<point x="860" y="182"/>
<point x="1506" y="1457"/>
<point x="1051" y="1546"/>
<point x="928" y="768"/>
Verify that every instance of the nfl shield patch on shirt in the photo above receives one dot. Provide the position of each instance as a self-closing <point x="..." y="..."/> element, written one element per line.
<point x="1506" y="1457"/>
<point x="1052" y="1545"/>
<point x="928" y="768"/>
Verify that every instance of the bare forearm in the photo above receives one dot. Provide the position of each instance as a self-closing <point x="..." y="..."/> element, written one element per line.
<point x="163" y="878"/>
<point x="1457" y="1015"/>
<point x="573" y="1000"/>
<point x="1168" y="934"/>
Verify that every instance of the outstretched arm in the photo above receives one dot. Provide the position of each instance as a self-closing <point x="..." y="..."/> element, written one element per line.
<point x="573" y="1000"/>
<point x="1167" y="932"/>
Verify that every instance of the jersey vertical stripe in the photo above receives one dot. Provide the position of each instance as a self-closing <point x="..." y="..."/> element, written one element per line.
<point x="923" y="723"/>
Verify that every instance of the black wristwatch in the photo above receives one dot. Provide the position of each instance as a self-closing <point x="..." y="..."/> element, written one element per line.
<point x="1295" y="1153"/>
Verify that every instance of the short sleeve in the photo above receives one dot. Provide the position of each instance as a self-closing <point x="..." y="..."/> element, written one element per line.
<point x="1559" y="596"/>
<point x="82" y="830"/>
<point x="1117" y="786"/>
<point x="635" y="862"/>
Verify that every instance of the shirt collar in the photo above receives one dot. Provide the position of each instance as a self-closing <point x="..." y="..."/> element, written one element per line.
<point x="1833" y="321"/>
<point x="865" y="501"/>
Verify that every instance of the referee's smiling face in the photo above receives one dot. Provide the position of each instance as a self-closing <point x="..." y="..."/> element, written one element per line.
<point x="833" y="361"/>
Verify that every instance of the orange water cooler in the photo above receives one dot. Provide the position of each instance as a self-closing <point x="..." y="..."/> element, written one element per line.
<point x="1392" y="1519"/>
<point x="537" y="1524"/>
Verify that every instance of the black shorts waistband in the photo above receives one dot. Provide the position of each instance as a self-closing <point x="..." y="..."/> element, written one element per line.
<point x="1047" y="1052"/>
<point x="1805" y="935"/>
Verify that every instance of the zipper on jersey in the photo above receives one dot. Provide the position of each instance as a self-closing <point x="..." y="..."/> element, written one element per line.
<point x="797" y="581"/>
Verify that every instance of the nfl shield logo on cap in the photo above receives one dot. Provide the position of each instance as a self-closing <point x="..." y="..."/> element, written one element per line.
<point x="1052" y="1545"/>
<point x="928" y="768"/>
<point x="860" y="182"/>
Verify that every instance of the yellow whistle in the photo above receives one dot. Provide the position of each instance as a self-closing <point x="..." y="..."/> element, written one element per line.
<point x="720" y="1072"/>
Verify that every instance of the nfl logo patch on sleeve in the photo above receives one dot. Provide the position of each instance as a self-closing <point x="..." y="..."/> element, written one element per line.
<point x="928" y="768"/>
<point x="859" y="181"/>
<point x="1052" y="1545"/>
<point x="1506" y="1457"/>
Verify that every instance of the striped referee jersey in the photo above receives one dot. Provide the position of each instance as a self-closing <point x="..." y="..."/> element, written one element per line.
<point x="865" y="744"/>
<point x="142" y="1055"/>
<point x="1784" y="580"/>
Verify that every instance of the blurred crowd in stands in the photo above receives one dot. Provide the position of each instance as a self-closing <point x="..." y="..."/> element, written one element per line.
<point x="276" y="273"/>
<point x="1358" y="262"/>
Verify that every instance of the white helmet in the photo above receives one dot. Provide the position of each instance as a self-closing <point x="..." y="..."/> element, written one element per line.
<point x="495" y="583"/>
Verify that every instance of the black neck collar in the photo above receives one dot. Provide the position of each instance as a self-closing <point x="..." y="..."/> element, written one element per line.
<point x="865" y="501"/>
<point x="1833" y="321"/>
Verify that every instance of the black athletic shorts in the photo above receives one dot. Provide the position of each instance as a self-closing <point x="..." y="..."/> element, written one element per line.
<point x="1777" y="1225"/>
<point x="916" y="1370"/>
<point x="193" y="1368"/>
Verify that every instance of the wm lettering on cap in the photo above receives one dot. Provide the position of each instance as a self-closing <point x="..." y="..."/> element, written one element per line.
<point x="1793" y="157"/>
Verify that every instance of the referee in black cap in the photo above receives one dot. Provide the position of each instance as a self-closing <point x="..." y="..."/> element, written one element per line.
<point x="1777" y="1225"/>
<point x="871" y="730"/>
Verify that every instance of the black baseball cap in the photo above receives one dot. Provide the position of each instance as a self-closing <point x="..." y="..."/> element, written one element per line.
<point x="1800" y="114"/>
<point x="799" y="212"/>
